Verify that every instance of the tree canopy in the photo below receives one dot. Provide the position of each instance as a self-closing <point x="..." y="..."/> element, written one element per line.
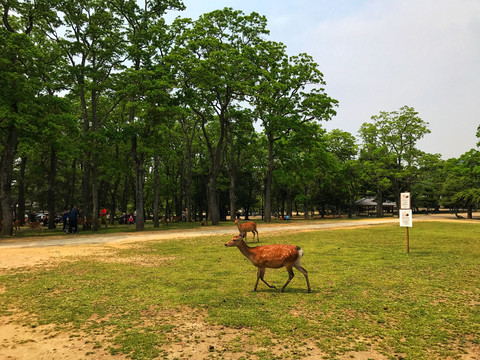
<point x="105" y="104"/>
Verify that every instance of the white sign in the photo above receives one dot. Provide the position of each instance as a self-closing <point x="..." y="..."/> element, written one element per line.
<point x="405" y="218"/>
<point x="405" y="201"/>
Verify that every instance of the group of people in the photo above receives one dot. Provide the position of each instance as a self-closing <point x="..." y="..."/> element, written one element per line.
<point x="128" y="218"/>
<point x="70" y="220"/>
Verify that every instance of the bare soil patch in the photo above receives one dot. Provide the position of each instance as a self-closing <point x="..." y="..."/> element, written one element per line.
<point x="192" y="338"/>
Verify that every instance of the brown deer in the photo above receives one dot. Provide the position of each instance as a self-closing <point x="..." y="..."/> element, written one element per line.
<point x="271" y="256"/>
<point x="16" y="226"/>
<point x="246" y="227"/>
<point x="164" y="220"/>
<point x="35" y="225"/>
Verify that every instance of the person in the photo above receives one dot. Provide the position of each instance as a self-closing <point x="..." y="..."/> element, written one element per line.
<point x="73" y="220"/>
<point x="103" y="216"/>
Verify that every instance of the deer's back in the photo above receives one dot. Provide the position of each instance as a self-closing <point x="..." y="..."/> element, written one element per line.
<point x="248" y="226"/>
<point x="274" y="256"/>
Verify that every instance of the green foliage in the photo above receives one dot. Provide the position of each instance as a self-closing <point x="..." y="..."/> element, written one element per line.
<point x="428" y="186"/>
<point x="111" y="91"/>
<point x="389" y="154"/>
<point x="461" y="180"/>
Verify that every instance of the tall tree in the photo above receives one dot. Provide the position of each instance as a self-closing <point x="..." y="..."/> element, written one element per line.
<point x="285" y="100"/>
<point x="389" y="153"/>
<point x="461" y="181"/>
<point x="19" y="83"/>
<point x="343" y="174"/>
<point x="428" y="186"/>
<point x="213" y="60"/>
<point x="146" y="33"/>
<point x="90" y="36"/>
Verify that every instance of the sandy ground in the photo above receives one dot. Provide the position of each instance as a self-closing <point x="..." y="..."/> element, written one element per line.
<point x="192" y="337"/>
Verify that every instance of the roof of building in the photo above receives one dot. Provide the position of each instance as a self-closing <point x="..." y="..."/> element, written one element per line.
<point x="368" y="201"/>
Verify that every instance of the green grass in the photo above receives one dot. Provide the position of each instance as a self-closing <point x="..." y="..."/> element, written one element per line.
<point x="367" y="292"/>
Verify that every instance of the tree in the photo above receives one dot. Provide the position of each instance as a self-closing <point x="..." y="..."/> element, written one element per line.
<point x="344" y="171"/>
<point x="389" y="154"/>
<point x="146" y="34"/>
<point x="19" y="83"/>
<point x="213" y="61"/>
<point x="428" y="185"/>
<point x="285" y="101"/>
<point x="92" y="41"/>
<point x="461" y="181"/>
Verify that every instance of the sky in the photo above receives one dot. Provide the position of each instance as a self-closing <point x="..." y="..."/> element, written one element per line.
<point x="380" y="55"/>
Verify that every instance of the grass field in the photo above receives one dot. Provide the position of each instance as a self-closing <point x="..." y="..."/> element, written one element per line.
<point x="367" y="293"/>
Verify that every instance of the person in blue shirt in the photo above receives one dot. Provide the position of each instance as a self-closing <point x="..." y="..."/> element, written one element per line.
<point x="73" y="220"/>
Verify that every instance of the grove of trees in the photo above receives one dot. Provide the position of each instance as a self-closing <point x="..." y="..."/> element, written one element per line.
<point x="105" y="104"/>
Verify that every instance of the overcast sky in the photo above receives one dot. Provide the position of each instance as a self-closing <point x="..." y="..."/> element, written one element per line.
<point x="379" y="55"/>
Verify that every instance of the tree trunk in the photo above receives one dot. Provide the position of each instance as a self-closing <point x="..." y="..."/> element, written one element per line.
<point x="289" y="202"/>
<point x="379" y="203"/>
<point x="94" y="164"/>
<point x="306" y="203"/>
<point x="213" y="208"/>
<point x="233" y="176"/>
<point x="21" y="191"/>
<point x="113" y="201"/>
<point x="6" y="177"/>
<point x="95" y="204"/>
<point x="51" y="188"/>
<point x="231" y="191"/>
<point x="156" y="196"/>
<point x="71" y="184"/>
<point x="215" y="162"/>
<point x="268" y="183"/>
<point x="188" y="186"/>
<point x="86" y="186"/>
<point x="139" y="176"/>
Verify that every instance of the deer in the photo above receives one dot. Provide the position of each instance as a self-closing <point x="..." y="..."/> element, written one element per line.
<point x="246" y="227"/>
<point x="164" y="220"/>
<point x="16" y="226"/>
<point x="35" y="225"/>
<point x="273" y="257"/>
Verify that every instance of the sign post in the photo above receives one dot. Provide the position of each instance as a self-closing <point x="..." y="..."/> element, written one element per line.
<point x="405" y="215"/>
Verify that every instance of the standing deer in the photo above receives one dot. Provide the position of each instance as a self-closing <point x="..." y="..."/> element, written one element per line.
<point x="16" y="226"/>
<point x="271" y="256"/>
<point x="246" y="227"/>
<point x="35" y="225"/>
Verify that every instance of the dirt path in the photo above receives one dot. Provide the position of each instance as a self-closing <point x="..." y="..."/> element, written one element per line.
<point x="32" y="251"/>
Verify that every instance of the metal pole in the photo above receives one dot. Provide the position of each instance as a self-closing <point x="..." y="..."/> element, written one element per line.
<point x="408" y="242"/>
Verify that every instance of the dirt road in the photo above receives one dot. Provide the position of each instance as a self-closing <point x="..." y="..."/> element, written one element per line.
<point x="30" y="251"/>
<point x="60" y="240"/>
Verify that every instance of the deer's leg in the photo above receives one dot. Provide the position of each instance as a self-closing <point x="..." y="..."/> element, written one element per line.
<point x="305" y="273"/>
<point x="290" y="277"/>
<point x="258" y="239"/>
<point x="260" y="274"/>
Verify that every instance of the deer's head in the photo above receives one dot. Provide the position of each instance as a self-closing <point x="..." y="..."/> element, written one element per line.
<point x="236" y="240"/>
